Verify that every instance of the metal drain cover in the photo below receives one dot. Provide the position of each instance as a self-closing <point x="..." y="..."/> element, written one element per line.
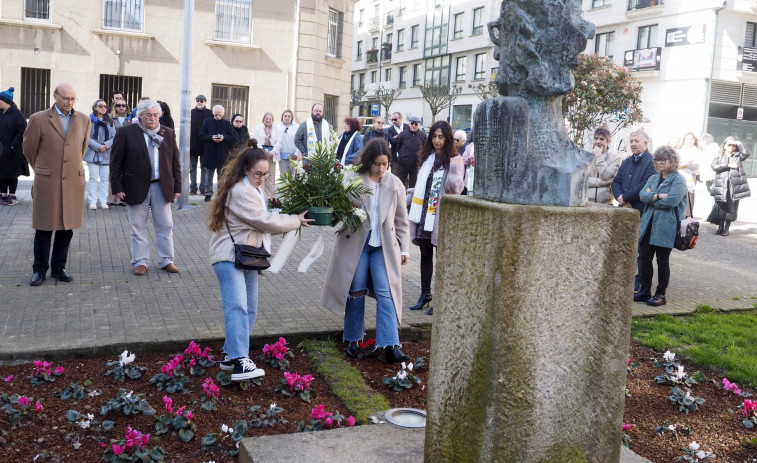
<point x="406" y="417"/>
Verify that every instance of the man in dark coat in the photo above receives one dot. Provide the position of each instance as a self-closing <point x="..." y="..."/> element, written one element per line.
<point x="146" y="174"/>
<point x="12" y="160"/>
<point x="218" y="136"/>
<point x="196" y="146"/>
<point x="392" y="133"/>
<point x="632" y="175"/>
<point x="409" y="143"/>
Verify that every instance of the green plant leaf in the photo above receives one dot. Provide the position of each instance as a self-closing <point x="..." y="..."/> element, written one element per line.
<point x="107" y="425"/>
<point x="73" y="415"/>
<point x="186" y="435"/>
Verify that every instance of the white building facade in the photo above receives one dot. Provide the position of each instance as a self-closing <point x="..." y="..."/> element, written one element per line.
<point x="405" y="43"/>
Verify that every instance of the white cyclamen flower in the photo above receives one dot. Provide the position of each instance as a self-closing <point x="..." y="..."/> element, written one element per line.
<point x="679" y="374"/>
<point x="125" y="358"/>
<point x="669" y="356"/>
<point x="90" y="416"/>
<point x="360" y="214"/>
<point x="410" y="366"/>
<point x="688" y="396"/>
<point x="128" y="394"/>
<point x="224" y="428"/>
<point x="672" y="427"/>
<point x="694" y="446"/>
<point x="273" y="405"/>
<point x="403" y="365"/>
<point x="701" y="454"/>
<point x="401" y="375"/>
<point x="84" y="424"/>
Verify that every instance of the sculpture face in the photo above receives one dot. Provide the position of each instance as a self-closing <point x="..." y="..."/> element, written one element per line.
<point x="537" y="45"/>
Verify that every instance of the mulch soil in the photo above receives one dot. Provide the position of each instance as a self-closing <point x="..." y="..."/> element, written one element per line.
<point x="717" y="426"/>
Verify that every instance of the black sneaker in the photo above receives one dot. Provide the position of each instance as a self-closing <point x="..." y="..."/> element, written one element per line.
<point x="226" y="364"/>
<point x="244" y="368"/>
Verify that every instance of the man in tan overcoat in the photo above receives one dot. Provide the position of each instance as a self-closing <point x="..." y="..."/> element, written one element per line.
<point x="54" y="143"/>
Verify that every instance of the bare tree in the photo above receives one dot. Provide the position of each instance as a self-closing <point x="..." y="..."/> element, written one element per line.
<point x="439" y="97"/>
<point x="386" y="97"/>
<point x="356" y="96"/>
<point x="485" y="91"/>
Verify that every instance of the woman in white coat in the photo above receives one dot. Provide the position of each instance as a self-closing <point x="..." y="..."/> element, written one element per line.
<point x="378" y="249"/>
<point x="269" y="137"/>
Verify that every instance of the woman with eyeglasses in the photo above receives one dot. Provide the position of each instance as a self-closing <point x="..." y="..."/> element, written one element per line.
<point x="730" y="184"/>
<point x="377" y="131"/>
<point x="288" y="128"/>
<point x="240" y="132"/>
<point x="441" y="172"/>
<point x="664" y="196"/>
<point x="240" y="209"/>
<point x="97" y="156"/>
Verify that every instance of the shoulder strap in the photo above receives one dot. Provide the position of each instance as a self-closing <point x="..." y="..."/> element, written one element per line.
<point x="229" y="230"/>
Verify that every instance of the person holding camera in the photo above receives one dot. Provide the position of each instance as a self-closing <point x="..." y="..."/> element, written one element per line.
<point x="730" y="184"/>
<point x="218" y="135"/>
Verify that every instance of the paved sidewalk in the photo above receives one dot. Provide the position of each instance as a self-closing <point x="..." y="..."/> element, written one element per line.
<point x="107" y="308"/>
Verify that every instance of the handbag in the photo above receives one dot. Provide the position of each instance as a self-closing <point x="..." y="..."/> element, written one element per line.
<point x="688" y="232"/>
<point x="248" y="257"/>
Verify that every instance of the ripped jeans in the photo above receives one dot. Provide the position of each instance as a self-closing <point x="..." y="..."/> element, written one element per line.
<point x="371" y="263"/>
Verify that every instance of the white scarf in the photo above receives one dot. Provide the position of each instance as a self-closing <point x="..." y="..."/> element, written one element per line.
<point x="346" y="147"/>
<point x="313" y="138"/>
<point x="416" y="208"/>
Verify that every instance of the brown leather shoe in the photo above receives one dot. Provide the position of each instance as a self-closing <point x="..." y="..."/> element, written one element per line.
<point x="171" y="268"/>
<point x="140" y="270"/>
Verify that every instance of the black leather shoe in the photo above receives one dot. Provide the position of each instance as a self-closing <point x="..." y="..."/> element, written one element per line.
<point x="207" y="198"/>
<point x="430" y="311"/>
<point x="63" y="276"/>
<point x="642" y="296"/>
<point x="637" y="288"/>
<point x="657" y="300"/>
<point x="393" y="354"/>
<point x="423" y="300"/>
<point x="38" y="279"/>
<point x="352" y="349"/>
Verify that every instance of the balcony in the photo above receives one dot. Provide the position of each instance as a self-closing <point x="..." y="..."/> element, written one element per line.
<point x="386" y="51"/>
<point x="389" y="20"/>
<point x="641" y="4"/>
<point x="373" y="24"/>
<point x="645" y="59"/>
<point x="371" y="56"/>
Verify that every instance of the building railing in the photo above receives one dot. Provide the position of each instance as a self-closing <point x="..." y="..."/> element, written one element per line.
<point x="386" y="51"/>
<point x="641" y="4"/>
<point x="371" y="56"/>
<point x="389" y="19"/>
<point x="373" y="24"/>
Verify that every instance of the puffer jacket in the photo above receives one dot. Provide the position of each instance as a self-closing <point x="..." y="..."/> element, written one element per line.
<point x="739" y="186"/>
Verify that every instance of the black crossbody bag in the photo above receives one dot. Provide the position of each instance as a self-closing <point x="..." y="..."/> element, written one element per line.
<point x="248" y="257"/>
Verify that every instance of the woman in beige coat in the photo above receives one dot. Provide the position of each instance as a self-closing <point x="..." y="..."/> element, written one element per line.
<point x="378" y="249"/>
<point x="240" y="211"/>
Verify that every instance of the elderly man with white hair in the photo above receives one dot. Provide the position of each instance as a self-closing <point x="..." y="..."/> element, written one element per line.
<point x="218" y="135"/>
<point x="146" y="175"/>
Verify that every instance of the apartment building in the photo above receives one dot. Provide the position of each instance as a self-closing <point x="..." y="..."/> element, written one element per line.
<point x="697" y="61"/>
<point x="406" y="43"/>
<point x="250" y="57"/>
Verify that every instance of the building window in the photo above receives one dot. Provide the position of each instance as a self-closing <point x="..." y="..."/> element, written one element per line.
<point x="352" y="83"/>
<point x="37" y="10"/>
<point x="414" y="36"/>
<point x="461" y="116"/>
<point x="334" y="38"/>
<point x="604" y="44"/>
<point x="129" y="86"/>
<point x="359" y="54"/>
<point x="480" y="62"/>
<point x="598" y="3"/>
<point x="400" y="39"/>
<point x="437" y="70"/>
<point x="330" y="107"/>
<point x="373" y="77"/>
<point x="374" y="43"/>
<point x="361" y="81"/>
<point x="123" y="14"/>
<point x="478" y="24"/>
<point x="403" y="77"/>
<point x="361" y="18"/>
<point x="437" y="31"/>
<point x="458" y="26"/>
<point x="35" y="90"/>
<point x="647" y="37"/>
<point x="388" y="41"/>
<point x="460" y="69"/>
<point x="388" y="75"/>
<point x="233" y="98"/>
<point x="750" y="38"/>
<point x="416" y="75"/>
<point x="233" y="21"/>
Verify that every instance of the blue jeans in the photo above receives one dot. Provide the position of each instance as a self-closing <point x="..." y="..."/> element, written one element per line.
<point x="371" y="262"/>
<point x="239" y="296"/>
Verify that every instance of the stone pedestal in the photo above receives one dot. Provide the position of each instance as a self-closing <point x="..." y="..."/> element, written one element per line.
<point x="531" y="332"/>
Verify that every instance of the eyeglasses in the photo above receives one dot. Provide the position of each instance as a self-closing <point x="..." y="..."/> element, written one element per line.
<point x="101" y="106"/>
<point x="70" y="100"/>
<point x="120" y="106"/>
<point x="261" y="174"/>
<point x="200" y="101"/>
<point x="415" y="123"/>
<point x="661" y="160"/>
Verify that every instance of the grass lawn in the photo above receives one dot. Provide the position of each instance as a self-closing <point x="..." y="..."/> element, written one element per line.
<point x="725" y="341"/>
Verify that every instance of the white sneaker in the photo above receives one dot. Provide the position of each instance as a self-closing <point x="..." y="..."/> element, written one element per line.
<point x="244" y="368"/>
<point x="104" y="206"/>
<point x="92" y="206"/>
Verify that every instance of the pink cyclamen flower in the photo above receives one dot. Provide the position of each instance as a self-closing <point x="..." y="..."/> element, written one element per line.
<point x="38" y="407"/>
<point x="23" y="400"/>
<point x="168" y="403"/>
<point x="351" y="421"/>
<point x="102" y="444"/>
<point x="210" y="389"/>
<point x="118" y="450"/>
<point x="189" y="415"/>
<point x="59" y="370"/>
<point x="328" y="421"/>
<point x="42" y="367"/>
<point x="318" y="412"/>
<point x="193" y="349"/>
<point x="737" y="391"/>
<point x="8" y="379"/>
<point x="626" y="427"/>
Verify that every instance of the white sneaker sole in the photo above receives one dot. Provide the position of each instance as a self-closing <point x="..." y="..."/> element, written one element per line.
<point x="256" y="373"/>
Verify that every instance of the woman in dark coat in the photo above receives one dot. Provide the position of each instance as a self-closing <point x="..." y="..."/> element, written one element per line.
<point x="166" y="118"/>
<point x="12" y="160"/>
<point x="241" y="133"/>
<point x="730" y="183"/>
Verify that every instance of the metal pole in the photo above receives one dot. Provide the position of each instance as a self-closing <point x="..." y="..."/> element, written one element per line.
<point x="186" y="103"/>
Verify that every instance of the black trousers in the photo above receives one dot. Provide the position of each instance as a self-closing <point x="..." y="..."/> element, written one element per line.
<point x="646" y="253"/>
<point x="427" y="264"/>
<point x="8" y="185"/>
<point x="42" y="239"/>
<point x="406" y="175"/>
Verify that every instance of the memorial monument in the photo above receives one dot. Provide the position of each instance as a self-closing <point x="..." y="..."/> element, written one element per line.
<point x="531" y="332"/>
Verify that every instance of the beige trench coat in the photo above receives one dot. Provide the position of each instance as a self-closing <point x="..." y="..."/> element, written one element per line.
<point x="58" y="191"/>
<point x="395" y="239"/>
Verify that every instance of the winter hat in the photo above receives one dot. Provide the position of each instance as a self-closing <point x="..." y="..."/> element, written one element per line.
<point x="7" y="96"/>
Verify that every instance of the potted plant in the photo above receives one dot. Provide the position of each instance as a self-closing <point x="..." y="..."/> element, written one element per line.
<point x="323" y="188"/>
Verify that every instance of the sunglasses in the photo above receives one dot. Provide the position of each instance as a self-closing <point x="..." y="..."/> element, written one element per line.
<point x="394" y="120"/>
<point x="200" y="101"/>
<point x="120" y="106"/>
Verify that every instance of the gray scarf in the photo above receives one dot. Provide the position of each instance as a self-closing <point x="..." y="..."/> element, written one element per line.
<point x="153" y="134"/>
